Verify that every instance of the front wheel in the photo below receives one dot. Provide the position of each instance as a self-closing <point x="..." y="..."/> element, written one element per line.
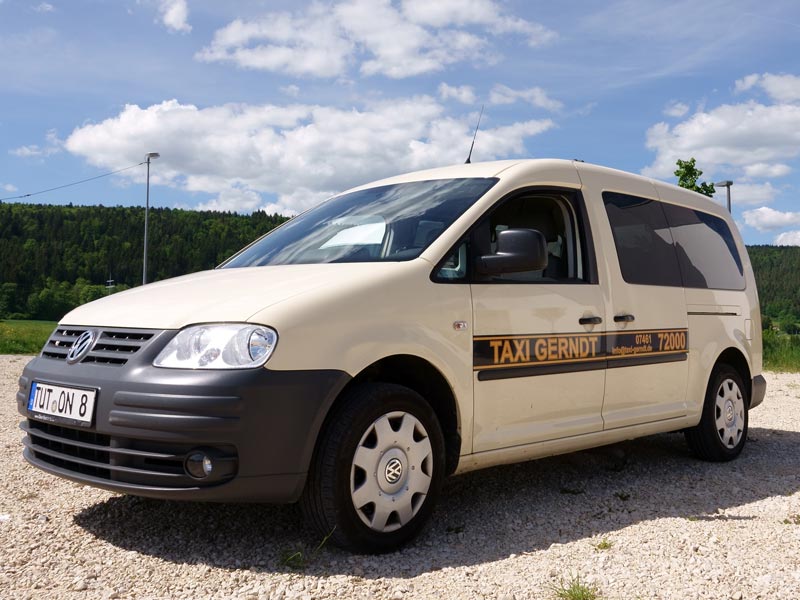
<point x="377" y="470"/>
<point x="722" y="431"/>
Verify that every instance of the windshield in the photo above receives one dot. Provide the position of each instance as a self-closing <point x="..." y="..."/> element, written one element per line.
<point x="387" y="223"/>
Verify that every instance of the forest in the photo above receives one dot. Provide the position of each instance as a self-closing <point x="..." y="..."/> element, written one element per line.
<point x="777" y="271"/>
<point x="53" y="258"/>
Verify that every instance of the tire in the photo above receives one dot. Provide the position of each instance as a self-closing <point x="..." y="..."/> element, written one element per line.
<point x="722" y="431"/>
<point x="377" y="469"/>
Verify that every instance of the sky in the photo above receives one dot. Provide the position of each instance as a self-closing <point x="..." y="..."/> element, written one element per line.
<point x="276" y="105"/>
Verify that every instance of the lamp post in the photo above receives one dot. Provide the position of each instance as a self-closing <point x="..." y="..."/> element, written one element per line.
<point x="727" y="184"/>
<point x="147" y="158"/>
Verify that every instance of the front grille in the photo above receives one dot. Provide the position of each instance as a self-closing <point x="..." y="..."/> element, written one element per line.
<point x="82" y="451"/>
<point x="112" y="346"/>
<point x="126" y="460"/>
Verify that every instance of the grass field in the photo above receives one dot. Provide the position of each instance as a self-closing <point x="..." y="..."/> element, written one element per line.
<point x="781" y="352"/>
<point x="24" y="337"/>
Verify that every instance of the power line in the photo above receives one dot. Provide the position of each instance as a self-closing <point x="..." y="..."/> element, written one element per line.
<point x="66" y="185"/>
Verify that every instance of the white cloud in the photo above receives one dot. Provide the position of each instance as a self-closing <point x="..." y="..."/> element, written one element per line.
<point x="748" y="194"/>
<point x="486" y="13"/>
<point x="788" y="238"/>
<point x="296" y="201"/>
<point x="398" y="47"/>
<point x="295" y="153"/>
<point x="464" y="93"/>
<point x="746" y="83"/>
<point x="536" y="96"/>
<point x="307" y="45"/>
<point x="26" y="151"/>
<point x="44" y="7"/>
<point x="174" y="15"/>
<point x="53" y="145"/>
<point x="7" y="187"/>
<point x="676" y="109"/>
<point x="767" y="170"/>
<point x="233" y="199"/>
<point x="326" y="40"/>
<point x="454" y="137"/>
<point x="769" y="219"/>
<point x="737" y="135"/>
<point x="781" y="88"/>
<point x="290" y="90"/>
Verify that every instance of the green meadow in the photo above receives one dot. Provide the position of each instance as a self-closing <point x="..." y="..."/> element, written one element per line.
<point x="24" y="337"/>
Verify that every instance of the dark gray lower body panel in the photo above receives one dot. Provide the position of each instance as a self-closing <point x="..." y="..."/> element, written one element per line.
<point x="258" y="426"/>
<point x="277" y="489"/>
<point x="759" y="391"/>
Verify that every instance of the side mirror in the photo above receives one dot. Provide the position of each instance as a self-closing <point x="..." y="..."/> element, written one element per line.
<point x="517" y="250"/>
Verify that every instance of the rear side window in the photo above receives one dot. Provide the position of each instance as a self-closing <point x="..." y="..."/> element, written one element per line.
<point x="707" y="254"/>
<point x="643" y="239"/>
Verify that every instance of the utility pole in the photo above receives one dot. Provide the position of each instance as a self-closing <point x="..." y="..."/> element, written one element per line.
<point x="147" y="158"/>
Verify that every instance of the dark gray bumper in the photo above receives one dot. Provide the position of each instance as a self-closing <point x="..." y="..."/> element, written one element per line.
<point x="259" y="426"/>
<point x="759" y="390"/>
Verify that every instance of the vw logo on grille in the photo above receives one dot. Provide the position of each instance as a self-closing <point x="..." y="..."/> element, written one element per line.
<point x="394" y="470"/>
<point x="81" y="347"/>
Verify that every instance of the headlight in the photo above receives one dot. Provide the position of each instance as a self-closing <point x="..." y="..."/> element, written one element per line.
<point x="224" y="346"/>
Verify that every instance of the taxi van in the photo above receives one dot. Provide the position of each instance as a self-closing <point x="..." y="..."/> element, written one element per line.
<point x="412" y="328"/>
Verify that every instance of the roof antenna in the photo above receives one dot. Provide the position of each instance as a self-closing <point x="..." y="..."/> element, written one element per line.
<point x="469" y="157"/>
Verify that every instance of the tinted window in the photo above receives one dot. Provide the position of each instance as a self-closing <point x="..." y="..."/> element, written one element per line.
<point x="643" y="240"/>
<point x="706" y="251"/>
<point x="386" y="223"/>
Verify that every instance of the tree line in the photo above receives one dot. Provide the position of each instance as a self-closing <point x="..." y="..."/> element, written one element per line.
<point x="777" y="271"/>
<point x="54" y="258"/>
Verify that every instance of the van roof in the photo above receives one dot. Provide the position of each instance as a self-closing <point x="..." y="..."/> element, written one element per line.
<point x="516" y="168"/>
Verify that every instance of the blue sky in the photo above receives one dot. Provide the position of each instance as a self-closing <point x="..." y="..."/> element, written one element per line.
<point x="276" y="105"/>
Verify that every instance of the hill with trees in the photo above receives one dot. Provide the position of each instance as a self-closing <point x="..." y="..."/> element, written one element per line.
<point x="777" y="271"/>
<point x="53" y="258"/>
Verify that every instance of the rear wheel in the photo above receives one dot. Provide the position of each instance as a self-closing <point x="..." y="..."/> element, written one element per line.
<point x="377" y="470"/>
<point x="722" y="431"/>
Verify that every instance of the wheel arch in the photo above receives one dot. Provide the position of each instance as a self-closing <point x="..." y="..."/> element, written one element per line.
<point x="736" y="359"/>
<point x="421" y="376"/>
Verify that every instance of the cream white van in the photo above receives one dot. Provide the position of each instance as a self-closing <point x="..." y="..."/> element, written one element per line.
<point x="406" y="330"/>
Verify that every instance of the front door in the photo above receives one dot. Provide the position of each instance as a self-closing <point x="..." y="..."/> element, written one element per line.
<point x="539" y="369"/>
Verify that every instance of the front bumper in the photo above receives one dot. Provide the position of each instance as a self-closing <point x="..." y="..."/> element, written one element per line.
<point x="258" y="426"/>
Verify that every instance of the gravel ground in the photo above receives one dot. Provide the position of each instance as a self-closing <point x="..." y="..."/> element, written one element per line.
<point x="640" y="519"/>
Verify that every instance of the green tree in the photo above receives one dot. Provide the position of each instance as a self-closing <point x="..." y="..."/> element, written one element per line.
<point x="688" y="174"/>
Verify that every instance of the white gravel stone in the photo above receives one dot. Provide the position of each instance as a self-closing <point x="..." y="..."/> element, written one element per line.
<point x="688" y="529"/>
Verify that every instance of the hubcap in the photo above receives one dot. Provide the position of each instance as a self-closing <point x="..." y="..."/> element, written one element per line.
<point x="391" y="471"/>
<point x="729" y="415"/>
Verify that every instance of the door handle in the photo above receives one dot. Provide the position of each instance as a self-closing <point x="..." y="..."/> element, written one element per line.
<point x="590" y="320"/>
<point x="624" y="318"/>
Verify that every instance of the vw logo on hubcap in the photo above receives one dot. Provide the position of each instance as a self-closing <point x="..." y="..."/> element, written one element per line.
<point x="394" y="471"/>
<point x="81" y="347"/>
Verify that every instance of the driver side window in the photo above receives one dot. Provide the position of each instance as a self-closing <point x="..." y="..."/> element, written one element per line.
<point x="553" y="215"/>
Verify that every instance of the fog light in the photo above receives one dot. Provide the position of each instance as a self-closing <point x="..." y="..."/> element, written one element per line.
<point x="199" y="465"/>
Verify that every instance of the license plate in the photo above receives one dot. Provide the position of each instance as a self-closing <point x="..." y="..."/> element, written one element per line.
<point x="56" y="403"/>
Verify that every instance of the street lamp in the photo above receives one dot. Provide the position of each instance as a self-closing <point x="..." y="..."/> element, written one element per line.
<point x="147" y="158"/>
<point x="727" y="184"/>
